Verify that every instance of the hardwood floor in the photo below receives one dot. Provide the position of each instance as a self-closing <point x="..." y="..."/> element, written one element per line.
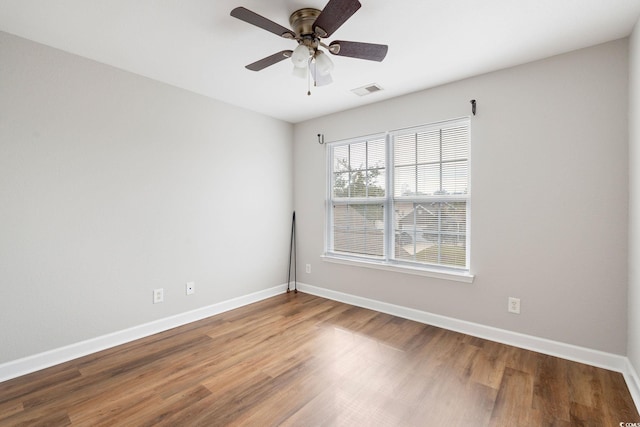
<point x="300" y="360"/>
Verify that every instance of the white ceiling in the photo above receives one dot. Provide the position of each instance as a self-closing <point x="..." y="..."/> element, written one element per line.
<point x="198" y="46"/>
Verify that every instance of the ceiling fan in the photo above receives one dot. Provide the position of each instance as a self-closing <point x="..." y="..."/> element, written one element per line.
<point x="309" y="27"/>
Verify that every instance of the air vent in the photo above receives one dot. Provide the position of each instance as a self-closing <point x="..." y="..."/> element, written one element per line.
<point x="366" y="90"/>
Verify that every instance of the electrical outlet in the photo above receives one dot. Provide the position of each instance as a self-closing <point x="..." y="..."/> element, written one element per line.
<point x="158" y="295"/>
<point x="308" y="268"/>
<point x="191" y="288"/>
<point x="514" y="305"/>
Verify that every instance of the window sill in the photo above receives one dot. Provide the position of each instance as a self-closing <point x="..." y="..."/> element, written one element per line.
<point x="427" y="272"/>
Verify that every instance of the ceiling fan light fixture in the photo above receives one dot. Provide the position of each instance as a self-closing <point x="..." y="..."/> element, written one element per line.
<point x="324" y="80"/>
<point x="301" y="72"/>
<point x="300" y="56"/>
<point x="324" y="64"/>
<point x="308" y="27"/>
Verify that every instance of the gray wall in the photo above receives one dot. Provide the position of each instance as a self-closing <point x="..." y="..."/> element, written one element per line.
<point x="112" y="185"/>
<point x="633" y="348"/>
<point x="549" y="210"/>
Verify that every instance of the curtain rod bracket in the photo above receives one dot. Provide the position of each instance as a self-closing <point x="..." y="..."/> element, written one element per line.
<point x="473" y="106"/>
<point x="320" y="138"/>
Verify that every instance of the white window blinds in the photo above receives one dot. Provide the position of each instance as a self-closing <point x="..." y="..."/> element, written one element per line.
<point x="358" y="194"/>
<point x="431" y="190"/>
<point x="402" y="197"/>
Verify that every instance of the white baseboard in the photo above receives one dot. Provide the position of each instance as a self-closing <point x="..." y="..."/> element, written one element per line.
<point x="26" y="365"/>
<point x="633" y="382"/>
<point x="588" y="356"/>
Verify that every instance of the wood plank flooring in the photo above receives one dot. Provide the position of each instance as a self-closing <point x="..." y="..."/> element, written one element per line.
<point x="300" y="360"/>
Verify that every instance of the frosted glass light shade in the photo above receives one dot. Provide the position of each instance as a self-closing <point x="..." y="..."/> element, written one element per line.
<point x="300" y="56"/>
<point x="301" y="72"/>
<point x="324" y="64"/>
<point x="319" y="79"/>
<point x="324" y="80"/>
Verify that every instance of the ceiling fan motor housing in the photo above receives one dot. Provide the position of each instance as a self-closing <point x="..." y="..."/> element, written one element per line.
<point x="302" y="21"/>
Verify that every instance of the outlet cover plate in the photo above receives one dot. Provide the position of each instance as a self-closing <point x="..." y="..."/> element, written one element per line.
<point x="158" y="295"/>
<point x="191" y="288"/>
<point x="514" y="305"/>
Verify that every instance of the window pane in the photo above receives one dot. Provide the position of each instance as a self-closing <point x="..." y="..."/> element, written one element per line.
<point x="404" y="231"/>
<point x="376" y="183"/>
<point x="405" y="181"/>
<point x="455" y="177"/>
<point x="455" y="143"/>
<point x="454" y="218"/>
<point x="377" y="154"/>
<point x="358" y="159"/>
<point x="427" y="217"/>
<point x="358" y="184"/>
<point x="401" y="210"/>
<point x="431" y="233"/>
<point x="453" y="239"/>
<point x="341" y="184"/>
<point x="405" y="150"/>
<point x="429" y="179"/>
<point x="359" y="229"/>
<point x="453" y="256"/>
<point x="428" y="146"/>
<point x="366" y="161"/>
<point x="341" y="158"/>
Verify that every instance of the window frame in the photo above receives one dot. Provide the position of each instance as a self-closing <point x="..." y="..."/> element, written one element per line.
<point x="388" y="261"/>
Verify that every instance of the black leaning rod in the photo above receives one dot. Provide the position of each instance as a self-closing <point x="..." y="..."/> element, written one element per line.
<point x="292" y="253"/>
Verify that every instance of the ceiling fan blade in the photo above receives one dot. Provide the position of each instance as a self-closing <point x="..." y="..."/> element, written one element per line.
<point x="253" y="18"/>
<point x="369" y="51"/>
<point x="334" y="14"/>
<point x="269" y="60"/>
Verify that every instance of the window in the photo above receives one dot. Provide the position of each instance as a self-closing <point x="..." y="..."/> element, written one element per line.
<point x="402" y="198"/>
<point x="359" y="197"/>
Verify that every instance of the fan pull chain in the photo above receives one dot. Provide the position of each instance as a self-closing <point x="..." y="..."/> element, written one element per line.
<point x="309" y="78"/>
